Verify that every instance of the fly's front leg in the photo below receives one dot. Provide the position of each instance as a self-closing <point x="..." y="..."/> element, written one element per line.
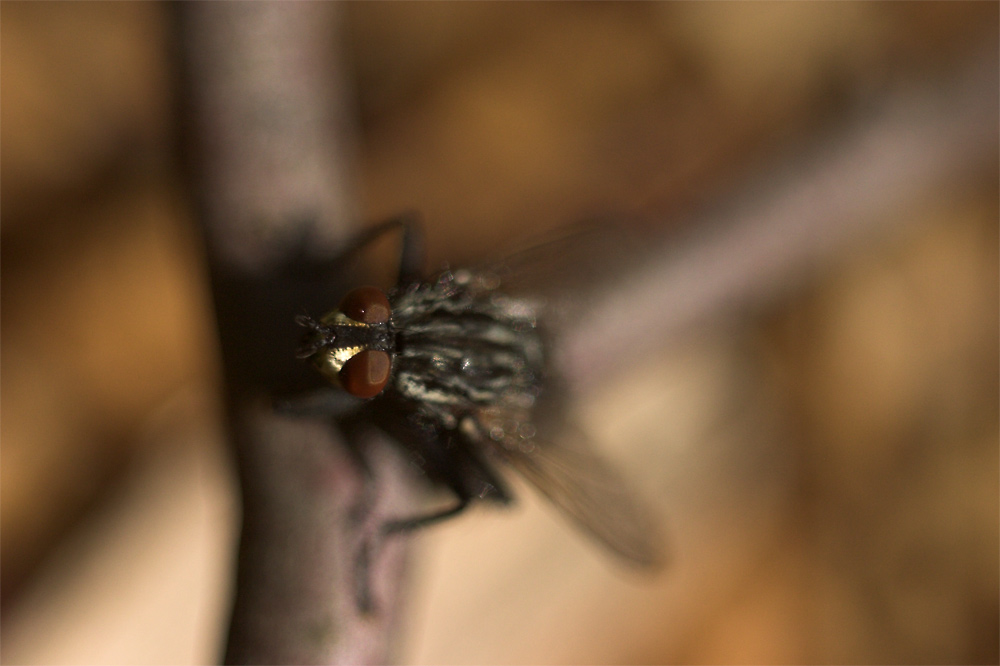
<point x="411" y="249"/>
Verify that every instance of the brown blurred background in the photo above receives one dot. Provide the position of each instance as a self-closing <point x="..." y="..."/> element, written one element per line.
<point x="829" y="465"/>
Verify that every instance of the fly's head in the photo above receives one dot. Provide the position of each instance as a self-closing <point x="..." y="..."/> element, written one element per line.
<point x="353" y="345"/>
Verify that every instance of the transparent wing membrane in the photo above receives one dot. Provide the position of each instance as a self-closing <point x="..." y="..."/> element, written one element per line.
<point x="585" y="487"/>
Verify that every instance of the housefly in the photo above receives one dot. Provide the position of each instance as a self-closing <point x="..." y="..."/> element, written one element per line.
<point x="456" y="368"/>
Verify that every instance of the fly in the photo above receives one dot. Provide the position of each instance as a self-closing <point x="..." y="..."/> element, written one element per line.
<point x="456" y="370"/>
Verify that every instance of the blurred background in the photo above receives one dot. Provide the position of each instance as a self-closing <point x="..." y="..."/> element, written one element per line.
<point x="827" y="462"/>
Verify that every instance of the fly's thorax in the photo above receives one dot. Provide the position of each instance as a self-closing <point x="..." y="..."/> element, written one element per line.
<point x="460" y="348"/>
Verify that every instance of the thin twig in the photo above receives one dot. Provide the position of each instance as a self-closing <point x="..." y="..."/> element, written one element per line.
<point x="778" y="230"/>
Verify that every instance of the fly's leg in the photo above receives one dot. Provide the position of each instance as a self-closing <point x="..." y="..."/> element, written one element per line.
<point x="490" y="487"/>
<point x="411" y="250"/>
<point x="363" y="561"/>
<point x="487" y="486"/>
<point x="407" y="525"/>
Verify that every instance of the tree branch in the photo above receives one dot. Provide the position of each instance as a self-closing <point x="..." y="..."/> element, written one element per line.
<point x="266" y="129"/>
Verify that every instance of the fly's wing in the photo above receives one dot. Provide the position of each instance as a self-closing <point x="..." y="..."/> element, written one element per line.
<point x="587" y="489"/>
<point x="564" y="269"/>
<point x="558" y="276"/>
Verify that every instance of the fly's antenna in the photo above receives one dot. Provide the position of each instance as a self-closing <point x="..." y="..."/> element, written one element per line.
<point x="322" y="336"/>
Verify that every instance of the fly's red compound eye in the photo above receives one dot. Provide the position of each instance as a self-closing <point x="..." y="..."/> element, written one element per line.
<point x="367" y="305"/>
<point x="365" y="374"/>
